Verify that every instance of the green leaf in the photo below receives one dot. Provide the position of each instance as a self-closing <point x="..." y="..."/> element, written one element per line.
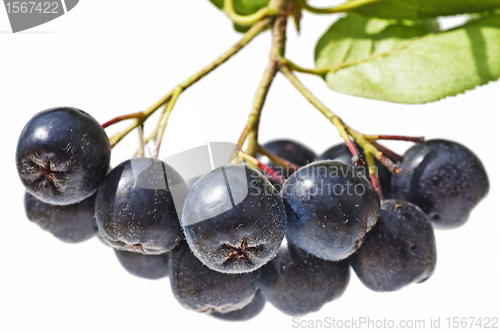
<point x="415" y="9"/>
<point x="400" y="63"/>
<point x="243" y="7"/>
<point x="355" y="37"/>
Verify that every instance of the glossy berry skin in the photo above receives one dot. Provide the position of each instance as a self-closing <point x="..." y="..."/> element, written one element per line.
<point x="246" y="313"/>
<point x="144" y="266"/>
<point x="398" y="251"/>
<point x="69" y="223"/>
<point x="298" y="283"/>
<point x="292" y="151"/>
<point x="445" y="179"/>
<point x="198" y="288"/>
<point x="340" y="152"/>
<point x="233" y="220"/>
<point x="135" y="209"/>
<point x="330" y="207"/>
<point x="62" y="155"/>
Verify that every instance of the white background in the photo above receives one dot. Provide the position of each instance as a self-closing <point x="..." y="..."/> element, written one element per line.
<point x="116" y="57"/>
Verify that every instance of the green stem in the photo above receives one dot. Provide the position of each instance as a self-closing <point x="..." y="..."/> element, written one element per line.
<point x="337" y="122"/>
<point x="386" y="151"/>
<point x="247" y="20"/>
<point x="369" y="148"/>
<point x="372" y="169"/>
<point x="295" y="67"/>
<point x="247" y="38"/>
<point x="151" y="136"/>
<point x="278" y="160"/>
<point x="140" y="131"/>
<point x="350" y="5"/>
<point x="251" y="130"/>
<point x="414" y="139"/>
<point x="162" y="124"/>
<point x="252" y="160"/>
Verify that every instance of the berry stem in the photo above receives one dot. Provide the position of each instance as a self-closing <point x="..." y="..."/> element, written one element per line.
<point x="151" y="136"/>
<point x="266" y="169"/>
<point x="372" y="169"/>
<point x="337" y="9"/>
<point x="121" y="118"/>
<point x="140" y="131"/>
<point x="246" y="20"/>
<point x="337" y="122"/>
<point x="162" y="124"/>
<point x="369" y="148"/>
<point x="344" y="130"/>
<point x="391" y="154"/>
<point x="414" y="139"/>
<point x="254" y="31"/>
<point x="278" y="160"/>
<point x="251" y="130"/>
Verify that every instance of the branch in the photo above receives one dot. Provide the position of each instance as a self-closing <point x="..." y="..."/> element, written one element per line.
<point x="121" y="118"/>
<point x="251" y="130"/>
<point x="372" y="169"/>
<point x="414" y="139"/>
<point x="142" y="144"/>
<point x="391" y="154"/>
<point x="247" y="38"/>
<point x="323" y="109"/>
<point x="278" y="160"/>
<point x="162" y="124"/>
<point x="369" y="148"/>
<point x="262" y="166"/>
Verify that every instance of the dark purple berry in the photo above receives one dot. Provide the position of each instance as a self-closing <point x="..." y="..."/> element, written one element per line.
<point x="398" y="251"/>
<point x="298" y="283"/>
<point x="69" y="223"/>
<point x="445" y="179"/>
<point x="330" y="207"/>
<point x="135" y="207"/>
<point x="233" y="220"/>
<point x="62" y="155"/>
<point x="198" y="288"/>
<point x="144" y="266"/>
<point x="246" y="313"/>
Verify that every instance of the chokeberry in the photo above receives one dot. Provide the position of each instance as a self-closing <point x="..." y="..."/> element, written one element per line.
<point x="289" y="150"/>
<point x="135" y="208"/>
<point x="444" y="178"/>
<point x="341" y="152"/>
<point x="144" y="266"/>
<point x="298" y="283"/>
<point x="69" y="223"/>
<point x="330" y="207"/>
<point x="198" y="288"/>
<point x="246" y="313"/>
<point x="233" y="220"/>
<point x="398" y="251"/>
<point x="62" y="155"/>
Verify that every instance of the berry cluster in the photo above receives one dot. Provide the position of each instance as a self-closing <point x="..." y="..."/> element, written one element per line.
<point x="225" y="253"/>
